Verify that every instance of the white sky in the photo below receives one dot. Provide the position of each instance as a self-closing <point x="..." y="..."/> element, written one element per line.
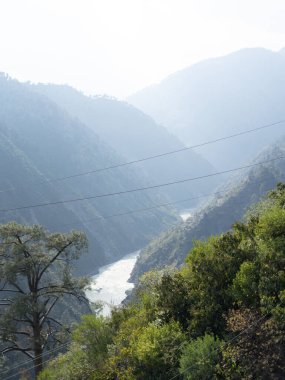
<point x="117" y="47"/>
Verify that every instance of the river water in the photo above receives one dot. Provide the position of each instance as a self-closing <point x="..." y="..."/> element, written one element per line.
<point x="111" y="283"/>
<point x="185" y="215"/>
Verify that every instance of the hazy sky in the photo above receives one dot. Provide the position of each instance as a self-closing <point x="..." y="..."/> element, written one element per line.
<point x="116" y="47"/>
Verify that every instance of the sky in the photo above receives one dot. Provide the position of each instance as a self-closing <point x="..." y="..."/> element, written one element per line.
<point x="117" y="47"/>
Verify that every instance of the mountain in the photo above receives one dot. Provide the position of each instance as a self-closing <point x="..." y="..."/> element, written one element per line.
<point x="40" y="142"/>
<point x="219" y="97"/>
<point x="216" y="215"/>
<point x="135" y="135"/>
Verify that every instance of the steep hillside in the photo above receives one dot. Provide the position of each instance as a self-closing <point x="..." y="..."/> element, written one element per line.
<point x="220" y="96"/>
<point x="135" y="135"/>
<point x="221" y="316"/>
<point x="40" y="142"/>
<point x="217" y="215"/>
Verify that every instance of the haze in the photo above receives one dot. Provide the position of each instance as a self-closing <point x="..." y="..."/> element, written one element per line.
<point x="118" y="47"/>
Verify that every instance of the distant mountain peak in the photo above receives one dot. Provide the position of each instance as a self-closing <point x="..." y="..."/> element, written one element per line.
<point x="221" y="96"/>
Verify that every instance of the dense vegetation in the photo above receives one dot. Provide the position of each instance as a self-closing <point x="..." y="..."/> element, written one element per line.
<point x="216" y="215"/>
<point x="220" y="316"/>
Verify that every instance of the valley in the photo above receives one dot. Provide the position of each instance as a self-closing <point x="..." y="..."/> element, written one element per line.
<point x="138" y="236"/>
<point x="111" y="285"/>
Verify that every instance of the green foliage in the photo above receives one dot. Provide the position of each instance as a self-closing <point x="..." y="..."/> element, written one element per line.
<point x="220" y="316"/>
<point x="144" y="350"/>
<point x="245" y="285"/>
<point x="259" y="282"/>
<point x="74" y="365"/>
<point x="86" y="355"/>
<point x="147" y="293"/>
<point x="200" y="358"/>
<point x="173" y="299"/>
<point x="157" y="351"/>
<point x="278" y="194"/>
<point x="94" y="334"/>
<point x="258" y="350"/>
<point x="35" y="275"/>
<point x="210" y="269"/>
<point x="123" y="360"/>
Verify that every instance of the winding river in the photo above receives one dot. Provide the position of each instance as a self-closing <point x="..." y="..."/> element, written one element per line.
<point x="111" y="283"/>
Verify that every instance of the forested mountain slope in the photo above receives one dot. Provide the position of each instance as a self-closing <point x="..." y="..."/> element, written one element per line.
<point x="220" y="316"/>
<point x="220" y="96"/>
<point x="135" y="135"/>
<point x="217" y="215"/>
<point x="39" y="142"/>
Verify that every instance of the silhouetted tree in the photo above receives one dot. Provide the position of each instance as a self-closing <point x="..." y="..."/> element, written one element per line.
<point x="35" y="273"/>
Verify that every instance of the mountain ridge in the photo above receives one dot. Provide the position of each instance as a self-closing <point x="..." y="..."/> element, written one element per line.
<point x="216" y="215"/>
<point x="134" y="135"/>
<point x="39" y="142"/>
<point x="220" y="96"/>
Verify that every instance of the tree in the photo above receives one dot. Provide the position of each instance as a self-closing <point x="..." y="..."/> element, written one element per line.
<point x="258" y="350"/>
<point x="173" y="299"/>
<point x="35" y="274"/>
<point x="157" y="350"/>
<point x="200" y="358"/>
<point x="87" y="353"/>
<point x="210" y="269"/>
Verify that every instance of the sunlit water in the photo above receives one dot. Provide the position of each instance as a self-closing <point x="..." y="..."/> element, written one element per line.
<point x="186" y="215"/>
<point x="111" y="283"/>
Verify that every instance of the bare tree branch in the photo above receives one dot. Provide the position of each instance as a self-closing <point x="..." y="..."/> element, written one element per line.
<point x="53" y="259"/>
<point x="18" y="287"/>
<point x="25" y="351"/>
<point x="48" y="311"/>
<point x="15" y="332"/>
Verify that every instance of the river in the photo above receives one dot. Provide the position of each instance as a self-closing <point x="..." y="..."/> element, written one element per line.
<point x="186" y="214"/>
<point x="111" y="283"/>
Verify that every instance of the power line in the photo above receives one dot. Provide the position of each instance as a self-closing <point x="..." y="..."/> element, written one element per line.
<point x="142" y="210"/>
<point x="176" y="224"/>
<point x="30" y="360"/>
<point x="27" y="369"/>
<point x="133" y="211"/>
<point x="58" y="179"/>
<point x="174" y="377"/>
<point x="145" y="209"/>
<point x="140" y="188"/>
<point x="137" y="210"/>
<point x="91" y="273"/>
<point x="69" y="341"/>
<point x="227" y="343"/>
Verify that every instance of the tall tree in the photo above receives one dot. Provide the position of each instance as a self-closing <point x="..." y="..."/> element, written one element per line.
<point x="35" y="274"/>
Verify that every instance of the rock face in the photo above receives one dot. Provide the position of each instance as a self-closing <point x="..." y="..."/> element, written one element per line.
<point x="40" y="142"/>
<point x="217" y="215"/>
<point x="135" y="135"/>
<point x="221" y="96"/>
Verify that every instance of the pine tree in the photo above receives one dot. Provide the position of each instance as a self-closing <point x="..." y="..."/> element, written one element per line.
<point x="35" y="274"/>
